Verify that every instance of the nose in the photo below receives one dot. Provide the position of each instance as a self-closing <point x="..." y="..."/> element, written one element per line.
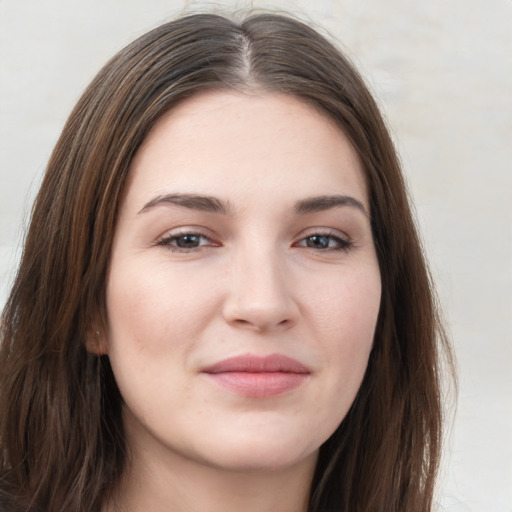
<point x="260" y="296"/>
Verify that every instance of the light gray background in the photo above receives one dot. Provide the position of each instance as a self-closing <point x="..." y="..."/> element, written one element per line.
<point x="442" y="71"/>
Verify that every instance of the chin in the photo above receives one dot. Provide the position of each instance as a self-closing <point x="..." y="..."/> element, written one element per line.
<point x="263" y="449"/>
<point x="254" y="459"/>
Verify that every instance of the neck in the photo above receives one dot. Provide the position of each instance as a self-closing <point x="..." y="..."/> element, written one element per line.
<point x="163" y="480"/>
<point x="199" y="488"/>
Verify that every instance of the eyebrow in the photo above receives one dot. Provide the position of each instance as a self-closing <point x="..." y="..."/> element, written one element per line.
<point x="321" y="203"/>
<point x="192" y="201"/>
<point x="214" y="205"/>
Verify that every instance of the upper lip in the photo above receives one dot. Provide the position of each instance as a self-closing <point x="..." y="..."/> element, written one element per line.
<point x="273" y="363"/>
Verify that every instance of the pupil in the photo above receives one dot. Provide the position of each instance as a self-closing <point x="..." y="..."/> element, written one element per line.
<point x="187" y="241"/>
<point x="318" y="241"/>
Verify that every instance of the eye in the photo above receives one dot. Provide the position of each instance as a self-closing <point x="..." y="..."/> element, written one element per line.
<point x="186" y="241"/>
<point x="325" y="242"/>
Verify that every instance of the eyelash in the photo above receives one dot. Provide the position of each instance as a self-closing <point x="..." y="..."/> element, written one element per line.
<point x="167" y="241"/>
<point x="341" y="244"/>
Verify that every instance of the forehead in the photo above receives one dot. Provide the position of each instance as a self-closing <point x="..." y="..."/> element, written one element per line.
<point x="226" y="144"/>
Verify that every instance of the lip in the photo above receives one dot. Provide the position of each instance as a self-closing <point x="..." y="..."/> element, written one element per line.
<point x="256" y="376"/>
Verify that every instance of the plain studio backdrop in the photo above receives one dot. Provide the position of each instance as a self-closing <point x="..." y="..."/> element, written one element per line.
<point x="442" y="73"/>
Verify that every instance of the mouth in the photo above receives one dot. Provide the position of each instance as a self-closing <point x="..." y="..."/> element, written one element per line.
<point x="258" y="377"/>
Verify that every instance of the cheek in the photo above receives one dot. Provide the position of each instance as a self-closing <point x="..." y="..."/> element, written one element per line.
<point x="347" y="309"/>
<point x="346" y="318"/>
<point x="148" y="308"/>
<point x="154" y="317"/>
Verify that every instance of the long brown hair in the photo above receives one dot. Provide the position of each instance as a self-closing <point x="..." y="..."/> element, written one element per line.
<point x="61" y="435"/>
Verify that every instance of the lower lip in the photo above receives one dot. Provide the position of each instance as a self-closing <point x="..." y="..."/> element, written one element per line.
<point x="259" y="385"/>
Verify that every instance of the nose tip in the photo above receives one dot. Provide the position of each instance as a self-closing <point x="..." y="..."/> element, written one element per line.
<point x="260" y="300"/>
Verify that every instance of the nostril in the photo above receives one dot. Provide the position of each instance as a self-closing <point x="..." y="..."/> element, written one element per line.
<point x="241" y="321"/>
<point x="262" y="326"/>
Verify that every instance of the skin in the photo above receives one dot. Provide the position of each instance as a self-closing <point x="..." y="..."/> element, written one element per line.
<point x="260" y="278"/>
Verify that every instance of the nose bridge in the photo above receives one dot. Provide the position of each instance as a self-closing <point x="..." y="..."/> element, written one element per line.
<point x="260" y="295"/>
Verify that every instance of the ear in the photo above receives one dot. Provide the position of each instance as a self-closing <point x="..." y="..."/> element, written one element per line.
<point x="96" y="342"/>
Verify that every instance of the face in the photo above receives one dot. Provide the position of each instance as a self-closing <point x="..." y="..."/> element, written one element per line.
<point x="243" y="287"/>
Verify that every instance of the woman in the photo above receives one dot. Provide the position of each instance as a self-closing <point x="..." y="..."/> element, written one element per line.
<point x="222" y="302"/>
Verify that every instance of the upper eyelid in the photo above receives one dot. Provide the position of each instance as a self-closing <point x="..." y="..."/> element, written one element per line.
<point x="193" y="230"/>
<point x="336" y="233"/>
<point x="172" y="235"/>
<point x="186" y="230"/>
